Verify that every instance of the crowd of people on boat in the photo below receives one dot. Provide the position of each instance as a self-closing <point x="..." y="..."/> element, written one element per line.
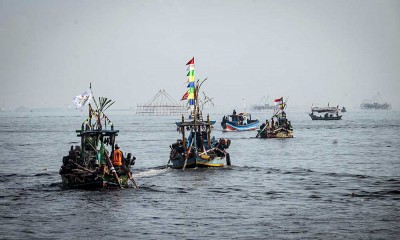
<point x="241" y="119"/>
<point x="281" y="123"/>
<point x="200" y="136"/>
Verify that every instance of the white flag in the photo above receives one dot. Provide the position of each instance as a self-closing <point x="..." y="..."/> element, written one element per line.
<point x="83" y="99"/>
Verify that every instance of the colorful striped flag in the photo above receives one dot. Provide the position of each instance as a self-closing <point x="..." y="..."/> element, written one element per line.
<point x="191" y="84"/>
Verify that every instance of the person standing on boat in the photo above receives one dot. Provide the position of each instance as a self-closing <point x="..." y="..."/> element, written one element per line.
<point x="272" y="124"/>
<point x="117" y="157"/>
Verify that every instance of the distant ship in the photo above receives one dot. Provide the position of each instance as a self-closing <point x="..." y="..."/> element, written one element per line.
<point x="375" y="103"/>
<point x="262" y="105"/>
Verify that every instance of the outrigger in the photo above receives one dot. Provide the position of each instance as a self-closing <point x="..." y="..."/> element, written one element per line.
<point x="199" y="149"/>
<point x="280" y="126"/>
<point x="88" y="165"/>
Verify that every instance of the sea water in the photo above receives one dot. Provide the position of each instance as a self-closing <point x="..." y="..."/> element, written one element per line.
<point x="333" y="180"/>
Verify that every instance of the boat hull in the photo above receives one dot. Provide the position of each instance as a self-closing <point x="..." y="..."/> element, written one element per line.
<point x="193" y="162"/>
<point x="234" y="126"/>
<point x="94" y="181"/>
<point x="276" y="134"/>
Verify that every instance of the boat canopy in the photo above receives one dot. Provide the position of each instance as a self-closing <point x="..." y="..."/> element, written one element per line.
<point x="97" y="132"/>
<point x="324" y="109"/>
<point x="192" y="123"/>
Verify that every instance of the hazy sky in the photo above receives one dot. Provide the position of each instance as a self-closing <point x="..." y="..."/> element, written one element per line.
<point x="310" y="51"/>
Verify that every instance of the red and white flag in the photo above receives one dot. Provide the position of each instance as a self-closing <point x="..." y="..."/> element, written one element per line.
<point x="278" y="101"/>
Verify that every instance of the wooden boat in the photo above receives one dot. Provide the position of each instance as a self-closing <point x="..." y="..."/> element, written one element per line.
<point x="329" y="113"/>
<point x="280" y="126"/>
<point x="88" y="166"/>
<point x="198" y="149"/>
<point x="239" y="122"/>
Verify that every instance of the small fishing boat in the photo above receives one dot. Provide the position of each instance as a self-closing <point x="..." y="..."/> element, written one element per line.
<point x="280" y="126"/>
<point x="89" y="165"/>
<point x="199" y="149"/>
<point x="329" y="113"/>
<point x="239" y="122"/>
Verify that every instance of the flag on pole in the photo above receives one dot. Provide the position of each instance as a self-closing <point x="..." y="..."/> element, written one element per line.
<point x="185" y="96"/>
<point x="191" y="61"/>
<point x="278" y="101"/>
<point x="82" y="100"/>
<point x="191" y="86"/>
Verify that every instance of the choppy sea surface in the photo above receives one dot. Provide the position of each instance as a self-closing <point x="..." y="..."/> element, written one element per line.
<point x="333" y="180"/>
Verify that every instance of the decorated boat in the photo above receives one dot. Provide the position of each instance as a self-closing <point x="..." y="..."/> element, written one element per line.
<point x="325" y="113"/>
<point x="280" y="126"/>
<point x="199" y="149"/>
<point x="239" y="122"/>
<point x="89" y="165"/>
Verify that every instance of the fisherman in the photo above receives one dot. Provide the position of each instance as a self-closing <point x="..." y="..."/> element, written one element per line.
<point x="283" y="114"/>
<point x="290" y="125"/>
<point x="244" y="120"/>
<point x="220" y="147"/>
<point x="117" y="157"/>
<point x="262" y="126"/>
<point x="272" y="123"/>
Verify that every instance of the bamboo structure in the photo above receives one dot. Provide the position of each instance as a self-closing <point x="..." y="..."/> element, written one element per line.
<point x="162" y="104"/>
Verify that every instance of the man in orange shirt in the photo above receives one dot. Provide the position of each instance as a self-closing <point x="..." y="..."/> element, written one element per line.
<point x="117" y="157"/>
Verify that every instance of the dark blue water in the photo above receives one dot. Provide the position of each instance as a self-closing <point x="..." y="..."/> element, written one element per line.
<point x="333" y="180"/>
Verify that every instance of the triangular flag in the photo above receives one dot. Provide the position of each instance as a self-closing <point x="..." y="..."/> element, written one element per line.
<point x="185" y="96"/>
<point x="191" y="61"/>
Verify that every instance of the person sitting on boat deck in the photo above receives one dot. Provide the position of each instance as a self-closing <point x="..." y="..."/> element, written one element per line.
<point x="220" y="147"/>
<point x="244" y="120"/>
<point x="326" y="115"/>
<point x="117" y="157"/>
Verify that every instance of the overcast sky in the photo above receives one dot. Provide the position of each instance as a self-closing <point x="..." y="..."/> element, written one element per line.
<point x="313" y="52"/>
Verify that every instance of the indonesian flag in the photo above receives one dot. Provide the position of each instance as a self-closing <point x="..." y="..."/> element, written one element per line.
<point x="185" y="96"/>
<point x="83" y="99"/>
<point x="278" y="101"/>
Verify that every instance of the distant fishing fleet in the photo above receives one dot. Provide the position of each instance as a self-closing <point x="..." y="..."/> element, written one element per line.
<point x="98" y="162"/>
